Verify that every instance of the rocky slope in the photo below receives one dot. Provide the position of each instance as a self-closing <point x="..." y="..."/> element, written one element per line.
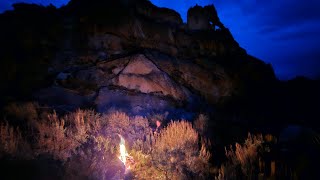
<point x="129" y="55"/>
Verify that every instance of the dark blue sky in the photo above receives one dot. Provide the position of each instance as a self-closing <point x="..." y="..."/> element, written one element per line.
<point x="284" y="33"/>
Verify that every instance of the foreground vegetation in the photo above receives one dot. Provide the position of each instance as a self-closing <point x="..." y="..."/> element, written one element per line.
<point x="86" y="145"/>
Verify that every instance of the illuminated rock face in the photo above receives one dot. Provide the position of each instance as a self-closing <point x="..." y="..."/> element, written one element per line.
<point x="140" y="65"/>
<point x="143" y="76"/>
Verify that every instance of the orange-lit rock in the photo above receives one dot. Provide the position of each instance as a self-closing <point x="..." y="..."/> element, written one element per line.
<point x="143" y="76"/>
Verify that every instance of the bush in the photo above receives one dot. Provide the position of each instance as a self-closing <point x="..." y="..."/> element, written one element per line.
<point x="23" y="111"/>
<point x="94" y="160"/>
<point x="244" y="157"/>
<point x="119" y="122"/>
<point x="60" y="136"/>
<point x="12" y="143"/>
<point x="201" y="124"/>
<point x="176" y="152"/>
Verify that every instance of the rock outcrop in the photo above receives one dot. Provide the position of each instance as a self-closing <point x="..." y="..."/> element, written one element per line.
<point x="137" y="57"/>
<point x="203" y="18"/>
<point x="162" y="15"/>
<point x="143" y="76"/>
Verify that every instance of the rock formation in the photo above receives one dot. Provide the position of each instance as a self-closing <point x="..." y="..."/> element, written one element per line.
<point x="203" y="18"/>
<point x="133" y="56"/>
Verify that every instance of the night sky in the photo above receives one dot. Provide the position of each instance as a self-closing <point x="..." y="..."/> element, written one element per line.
<point x="284" y="33"/>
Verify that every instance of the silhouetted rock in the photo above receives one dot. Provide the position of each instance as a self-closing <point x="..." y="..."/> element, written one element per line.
<point x="162" y="15"/>
<point x="203" y="18"/>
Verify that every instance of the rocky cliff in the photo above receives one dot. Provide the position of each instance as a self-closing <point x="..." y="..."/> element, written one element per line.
<point x="123" y="54"/>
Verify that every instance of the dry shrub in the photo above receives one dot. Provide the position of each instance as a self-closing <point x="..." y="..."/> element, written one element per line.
<point x="82" y="142"/>
<point x="23" y="111"/>
<point x="118" y="122"/>
<point x="205" y="155"/>
<point x="145" y="144"/>
<point x="174" y="153"/>
<point x="87" y="144"/>
<point x="85" y="123"/>
<point x="177" y="154"/>
<point x="12" y="143"/>
<point x="143" y="167"/>
<point x="139" y="122"/>
<point x="132" y="128"/>
<point x="96" y="159"/>
<point x="138" y="130"/>
<point x="176" y="135"/>
<point x="60" y="136"/>
<point x="52" y="138"/>
<point x="86" y="141"/>
<point x="201" y="124"/>
<point x="244" y="156"/>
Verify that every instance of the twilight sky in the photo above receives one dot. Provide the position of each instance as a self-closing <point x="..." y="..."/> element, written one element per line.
<point x="284" y="33"/>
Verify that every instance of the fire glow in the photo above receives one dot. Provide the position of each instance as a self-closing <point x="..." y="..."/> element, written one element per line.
<point x="123" y="152"/>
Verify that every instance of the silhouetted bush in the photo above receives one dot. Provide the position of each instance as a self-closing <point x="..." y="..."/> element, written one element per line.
<point x="201" y="124"/>
<point x="22" y="111"/>
<point x="242" y="161"/>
